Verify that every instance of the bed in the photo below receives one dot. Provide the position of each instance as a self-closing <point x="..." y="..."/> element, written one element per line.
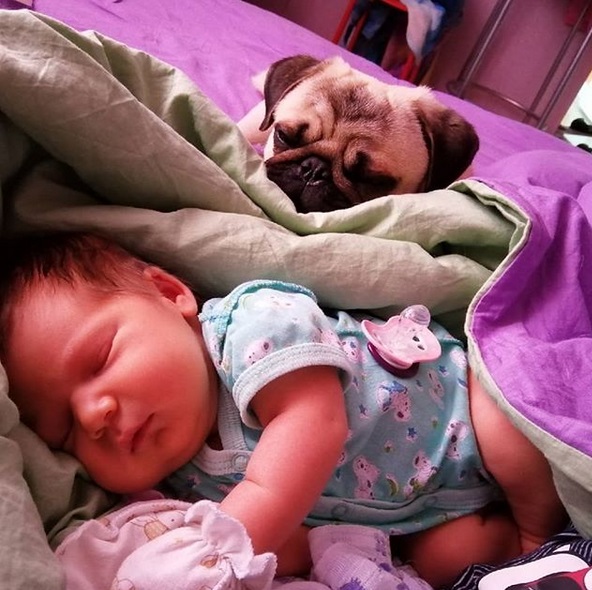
<point x="129" y="131"/>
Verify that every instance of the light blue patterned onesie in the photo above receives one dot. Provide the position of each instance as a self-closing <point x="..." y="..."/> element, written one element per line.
<point x="410" y="461"/>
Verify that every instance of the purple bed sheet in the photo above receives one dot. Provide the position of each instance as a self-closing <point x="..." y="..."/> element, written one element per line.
<point x="532" y="325"/>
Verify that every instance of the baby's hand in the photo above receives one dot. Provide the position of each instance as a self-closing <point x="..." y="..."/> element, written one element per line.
<point x="208" y="551"/>
<point x="163" y="543"/>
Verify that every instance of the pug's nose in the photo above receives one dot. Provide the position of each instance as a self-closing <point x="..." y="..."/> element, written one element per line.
<point x="315" y="169"/>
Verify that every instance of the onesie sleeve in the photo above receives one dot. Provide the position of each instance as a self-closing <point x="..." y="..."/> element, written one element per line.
<point x="263" y="330"/>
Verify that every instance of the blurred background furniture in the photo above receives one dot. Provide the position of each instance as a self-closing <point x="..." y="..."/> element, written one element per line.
<point x="402" y="36"/>
<point x="466" y="79"/>
<point x="349" y="37"/>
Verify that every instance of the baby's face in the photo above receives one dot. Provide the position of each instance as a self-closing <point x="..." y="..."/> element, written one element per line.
<point x="122" y="382"/>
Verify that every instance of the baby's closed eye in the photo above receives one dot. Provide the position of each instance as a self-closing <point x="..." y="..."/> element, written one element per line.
<point x="101" y="359"/>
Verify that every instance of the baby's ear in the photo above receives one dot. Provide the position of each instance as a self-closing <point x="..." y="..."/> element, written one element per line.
<point x="172" y="289"/>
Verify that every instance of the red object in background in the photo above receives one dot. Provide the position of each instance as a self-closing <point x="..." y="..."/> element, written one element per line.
<point x="408" y="68"/>
<point x="573" y="12"/>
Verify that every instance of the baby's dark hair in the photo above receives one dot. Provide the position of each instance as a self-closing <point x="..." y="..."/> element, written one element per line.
<point x="63" y="258"/>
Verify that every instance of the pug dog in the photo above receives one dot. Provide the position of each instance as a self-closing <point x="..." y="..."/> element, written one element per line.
<point x="335" y="137"/>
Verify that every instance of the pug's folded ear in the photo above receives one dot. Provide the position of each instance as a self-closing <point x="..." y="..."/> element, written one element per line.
<point x="281" y="77"/>
<point x="451" y="140"/>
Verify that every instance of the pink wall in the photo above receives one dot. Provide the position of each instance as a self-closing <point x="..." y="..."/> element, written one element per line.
<point x="516" y="64"/>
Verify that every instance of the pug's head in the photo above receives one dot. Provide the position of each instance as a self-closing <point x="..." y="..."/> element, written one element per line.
<point x="338" y="137"/>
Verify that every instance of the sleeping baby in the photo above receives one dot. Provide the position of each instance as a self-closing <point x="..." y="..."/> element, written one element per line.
<point x="287" y="415"/>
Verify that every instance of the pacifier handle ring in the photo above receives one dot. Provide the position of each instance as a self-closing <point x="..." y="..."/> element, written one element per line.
<point x="403" y="372"/>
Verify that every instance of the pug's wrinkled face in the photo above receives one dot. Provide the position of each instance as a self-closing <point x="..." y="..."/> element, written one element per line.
<point x="338" y="137"/>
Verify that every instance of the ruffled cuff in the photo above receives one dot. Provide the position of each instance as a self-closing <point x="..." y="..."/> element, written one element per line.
<point x="164" y="545"/>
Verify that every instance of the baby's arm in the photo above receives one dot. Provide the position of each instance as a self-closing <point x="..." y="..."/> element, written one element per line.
<point x="304" y="430"/>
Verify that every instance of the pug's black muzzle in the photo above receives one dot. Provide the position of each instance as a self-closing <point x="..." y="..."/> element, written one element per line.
<point x="309" y="184"/>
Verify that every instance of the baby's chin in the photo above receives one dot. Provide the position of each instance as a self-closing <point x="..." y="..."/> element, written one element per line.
<point x="146" y="470"/>
<point x="134" y="479"/>
<point x="127" y="485"/>
<point x="154" y="478"/>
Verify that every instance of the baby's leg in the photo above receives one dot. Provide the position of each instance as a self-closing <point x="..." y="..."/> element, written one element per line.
<point x="520" y="469"/>
<point x="440" y="554"/>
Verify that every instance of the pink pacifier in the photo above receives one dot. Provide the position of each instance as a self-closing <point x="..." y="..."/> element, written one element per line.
<point x="403" y="341"/>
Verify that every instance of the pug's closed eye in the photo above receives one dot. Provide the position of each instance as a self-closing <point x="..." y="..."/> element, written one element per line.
<point x="358" y="172"/>
<point x="289" y="137"/>
<point x="381" y="183"/>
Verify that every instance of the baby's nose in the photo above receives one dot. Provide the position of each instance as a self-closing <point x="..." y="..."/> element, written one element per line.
<point x="95" y="415"/>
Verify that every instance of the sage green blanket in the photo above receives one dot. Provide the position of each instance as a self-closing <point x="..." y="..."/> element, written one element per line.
<point x="97" y="136"/>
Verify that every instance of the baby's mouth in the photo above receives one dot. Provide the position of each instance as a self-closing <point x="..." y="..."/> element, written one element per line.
<point x="140" y="435"/>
